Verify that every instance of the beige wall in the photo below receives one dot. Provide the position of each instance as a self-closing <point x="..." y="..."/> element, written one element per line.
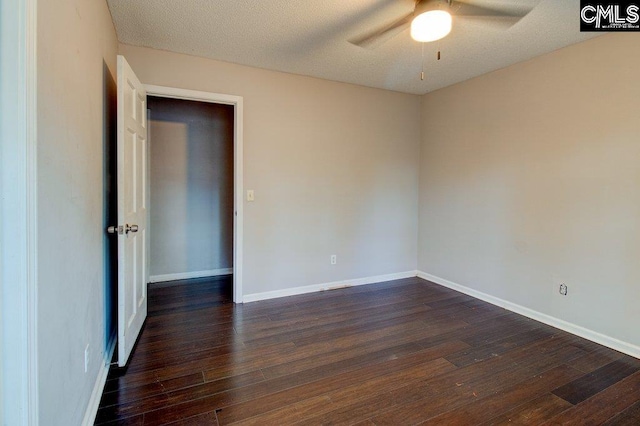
<point x="191" y="173"/>
<point x="76" y="66"/>
<point x="334" y="168"/>
<point x="529" y="176"/>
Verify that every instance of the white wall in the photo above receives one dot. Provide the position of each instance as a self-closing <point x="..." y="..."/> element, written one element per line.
<point x="76" y="68"/>
<point x="334" y="168"/>
<point x="529" y="177"/>
<point x="191" y="173"/>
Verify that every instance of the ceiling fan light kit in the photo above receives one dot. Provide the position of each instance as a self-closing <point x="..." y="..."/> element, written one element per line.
<point x="431" y="26"/>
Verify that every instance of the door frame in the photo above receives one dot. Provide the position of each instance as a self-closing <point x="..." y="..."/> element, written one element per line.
<point x="18" y="214"/>
<point x="238" y="191"/>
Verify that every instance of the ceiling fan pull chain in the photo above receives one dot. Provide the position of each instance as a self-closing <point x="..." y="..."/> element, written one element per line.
<point x="422" y="71"/>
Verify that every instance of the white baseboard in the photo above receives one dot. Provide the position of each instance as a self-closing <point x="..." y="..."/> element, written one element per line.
<point x="594" y="336"/>
<point x="190" y="275"/>
<point x="98" y="388"/>
<point x="327" y="286"/>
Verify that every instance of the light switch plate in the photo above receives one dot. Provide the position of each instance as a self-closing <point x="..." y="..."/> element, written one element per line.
<point x="250" y="196"/>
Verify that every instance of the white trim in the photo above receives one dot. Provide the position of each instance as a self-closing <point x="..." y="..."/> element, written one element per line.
<point x="594" y="336"/>
<point x="18" y="213"/>
<point x="238" y="205"/>
<point x="327" y="286"/>
<point x="94" y="402"/>
<point x="195" y="95"/>
<point x="238" y="152"/>
<point x="190" y="275"/>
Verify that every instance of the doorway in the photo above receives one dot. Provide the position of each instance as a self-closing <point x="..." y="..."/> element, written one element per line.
<point x="195" y="193"/>
<point x="191" y="189"/>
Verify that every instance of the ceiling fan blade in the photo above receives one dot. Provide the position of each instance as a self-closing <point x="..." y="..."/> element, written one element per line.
<point x="383" y="34"/>
<point x="462" y="8"/>
<point x="492" y="22"/>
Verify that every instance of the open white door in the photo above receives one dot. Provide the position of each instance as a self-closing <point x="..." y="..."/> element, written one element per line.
<point x="132" y="209"/>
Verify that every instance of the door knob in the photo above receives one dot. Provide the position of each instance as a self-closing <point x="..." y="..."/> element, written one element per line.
<point x="122" y="229"/>
<point x="114" y="229"/>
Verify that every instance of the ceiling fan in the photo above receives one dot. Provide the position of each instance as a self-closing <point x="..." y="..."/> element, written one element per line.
<point x="432" y="20"/>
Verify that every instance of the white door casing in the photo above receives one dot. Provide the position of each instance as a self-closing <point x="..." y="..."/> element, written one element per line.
<point x="238" y="188"/>
<point x="132" y="209"/>
<point x="19" y="388"/>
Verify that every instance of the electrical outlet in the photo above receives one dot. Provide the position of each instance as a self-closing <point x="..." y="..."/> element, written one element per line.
<point x="334" y="259"/>
<point x="563" y="289"/>
<point x="86" y="358"/>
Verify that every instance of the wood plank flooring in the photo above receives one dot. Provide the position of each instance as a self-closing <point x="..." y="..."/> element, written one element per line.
<point x="405" y="352"/>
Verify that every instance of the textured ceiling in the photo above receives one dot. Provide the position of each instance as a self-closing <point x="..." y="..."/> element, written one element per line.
<point x="310" y="37"/>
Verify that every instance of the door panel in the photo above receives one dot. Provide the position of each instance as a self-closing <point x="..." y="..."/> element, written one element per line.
<point x="132" y="209"/>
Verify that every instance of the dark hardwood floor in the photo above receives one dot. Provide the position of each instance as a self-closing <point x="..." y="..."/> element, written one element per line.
<point x="395" y="353"/>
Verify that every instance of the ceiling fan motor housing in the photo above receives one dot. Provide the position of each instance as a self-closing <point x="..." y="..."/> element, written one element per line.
<point x="423" y="6"/>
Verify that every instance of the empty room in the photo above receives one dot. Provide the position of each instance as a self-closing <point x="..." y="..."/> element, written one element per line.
<point x="368" y="212"/>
